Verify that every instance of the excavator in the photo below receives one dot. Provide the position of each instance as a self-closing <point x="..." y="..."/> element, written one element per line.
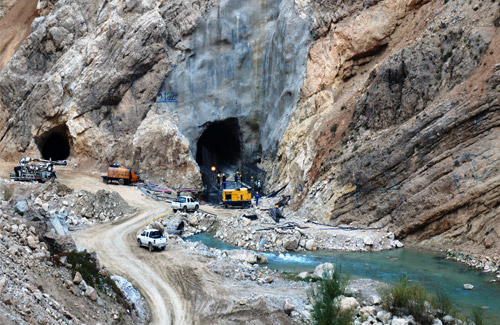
<point x="35" y="169"/>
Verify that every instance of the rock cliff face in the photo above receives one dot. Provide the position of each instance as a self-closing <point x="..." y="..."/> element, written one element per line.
<point x="96" y="80"/>
<point x="378" y="113"/>
<point x="398" y="123"/>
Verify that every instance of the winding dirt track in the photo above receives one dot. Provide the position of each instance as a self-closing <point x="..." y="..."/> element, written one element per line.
<point x="115" y="246"/>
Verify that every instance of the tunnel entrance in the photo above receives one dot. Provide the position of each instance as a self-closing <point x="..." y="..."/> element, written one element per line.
<point x="54" y="144"/>
<point x="220" y="145"/>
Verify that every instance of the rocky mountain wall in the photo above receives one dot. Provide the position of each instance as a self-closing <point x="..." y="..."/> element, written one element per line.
<point x="86" y="77"/>
<point x="92" y="77"/>
<point x="399" y="124"/>
<point x="246" y="60"/>
<point x="377" y="113"/>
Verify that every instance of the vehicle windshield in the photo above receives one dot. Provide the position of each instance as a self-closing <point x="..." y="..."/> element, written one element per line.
<point x="155" y="234"/>
<point x="181" y="199"/>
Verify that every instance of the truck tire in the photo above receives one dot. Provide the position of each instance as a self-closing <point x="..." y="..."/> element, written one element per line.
<point x="139" y="242"/>
<point x="150" y="247"/>
<point x="196" y="208"/>
<point x="121" y="181"/>
<point x="163" y="248"/>
<point x="184" y="209"/>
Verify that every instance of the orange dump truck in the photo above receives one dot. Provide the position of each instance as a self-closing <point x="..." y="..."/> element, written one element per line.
<point x="120" y="174"/>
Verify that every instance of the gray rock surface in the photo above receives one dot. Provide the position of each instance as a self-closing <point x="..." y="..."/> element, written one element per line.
<point x="323" y="269"/>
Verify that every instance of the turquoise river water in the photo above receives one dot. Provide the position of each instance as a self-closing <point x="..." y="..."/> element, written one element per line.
<point x="433" y="271"/>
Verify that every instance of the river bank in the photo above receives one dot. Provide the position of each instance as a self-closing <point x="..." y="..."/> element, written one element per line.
<point x="255" y="229"/>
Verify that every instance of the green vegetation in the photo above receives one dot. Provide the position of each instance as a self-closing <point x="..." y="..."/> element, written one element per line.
<point x="406" y="298"/>
<point x="8" y="191"/>
<point x="443" y="305"/>
<point x="84" y="263"/>
<point x="477" y="316"/>
<point x="333" y="129"/>
<point x="323" y="298"/>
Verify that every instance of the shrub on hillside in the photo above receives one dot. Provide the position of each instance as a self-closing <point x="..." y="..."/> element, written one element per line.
<point x="323" y="298"/>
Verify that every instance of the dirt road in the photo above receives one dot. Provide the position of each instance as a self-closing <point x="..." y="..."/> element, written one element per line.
<point x="178" y="285"/>
<point x="115" y="246"/>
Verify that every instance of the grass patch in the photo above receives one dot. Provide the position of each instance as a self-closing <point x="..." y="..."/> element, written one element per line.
<point x="8" y="192"/>
<point x="477" y="316"/>
<point x="405" y="298"/>
<point x="85" y="264"/>
<point x="323" y="299"/>
<point x="443" y="305"/>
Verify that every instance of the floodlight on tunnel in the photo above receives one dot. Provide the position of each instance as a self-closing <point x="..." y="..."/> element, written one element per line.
<point x="213" y="169"/>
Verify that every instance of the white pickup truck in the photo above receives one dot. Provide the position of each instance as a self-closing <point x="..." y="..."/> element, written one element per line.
<point x="152" y="238"/>
<point x="185" y="203"/>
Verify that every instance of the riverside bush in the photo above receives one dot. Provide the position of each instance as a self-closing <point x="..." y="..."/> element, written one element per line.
<point x="405" y="298"/>
<point x="477" y="316"/>
<point x="323" y="298"/>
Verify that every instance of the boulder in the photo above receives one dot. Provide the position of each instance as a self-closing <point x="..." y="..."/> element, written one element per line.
<point x="78" y="278"/>
<point x="83" y="286"/>
<point x="291" y="245"/>
<point x="303" y="275"/>
<point x="193" y="220"/>
<point x="367" y="311"/>
<point x="311" y="245"/>
<point x="38" y="201"/>
<point x="13" y="229"/>
<point x="399" y="321"/>
<point x="38" y="295"/>
<point x="368" y="241"/>
<point x="262" y="259"/>
<point x="91" y="293"/>
<point x="21" y="207"/>
<point x="437" y="321"/>
<point x="32" y="242"/>
<point x="322" y="269"/>
<point x="348" y="303"/>
<point x="468" y="286"/>
<point x="68" y="283"/>
<point x="384" y="316"/>
<point x="288" y="307"/>
<point x="243" y="255"/>
<point x="374" y="300"/>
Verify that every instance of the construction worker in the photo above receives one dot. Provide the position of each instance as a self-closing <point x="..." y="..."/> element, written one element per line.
<point x="236" y="177"/>
<point x="259" y="185"/>
<point x="252" y="183"/>
<point x="278" y="213"/>
<point x="218" y="179"/>
<point x="257" y="199"/>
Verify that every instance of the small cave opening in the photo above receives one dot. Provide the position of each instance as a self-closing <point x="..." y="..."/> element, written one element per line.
<point x="54" y="144"/>
<point x="220" y="145"/>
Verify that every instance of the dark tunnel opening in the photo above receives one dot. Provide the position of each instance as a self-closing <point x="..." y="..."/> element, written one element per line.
<point x="220" y="145"/>
<point x="54" y="144"/>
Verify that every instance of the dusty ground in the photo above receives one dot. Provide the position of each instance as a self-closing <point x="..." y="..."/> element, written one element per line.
<point x="179" y="289"/>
